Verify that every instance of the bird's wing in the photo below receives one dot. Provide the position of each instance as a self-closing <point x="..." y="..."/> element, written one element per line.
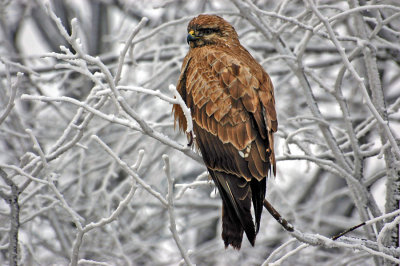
<point x="232" y="100"/>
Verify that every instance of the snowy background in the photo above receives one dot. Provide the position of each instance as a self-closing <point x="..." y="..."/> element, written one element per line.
<point x="93" y="172"/>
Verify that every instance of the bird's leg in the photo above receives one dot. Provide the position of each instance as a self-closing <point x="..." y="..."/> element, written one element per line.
<point x="282" y="221"/>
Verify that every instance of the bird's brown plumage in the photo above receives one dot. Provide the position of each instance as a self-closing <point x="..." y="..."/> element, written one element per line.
<point x="231" y="99"/>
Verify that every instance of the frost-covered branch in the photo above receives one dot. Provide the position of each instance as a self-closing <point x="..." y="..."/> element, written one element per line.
<point x="12" y="91"/>
<point x="114" y="119"/>
<point x="104" y="221"/>
<point x="129" y="170"/>
<point x="171" y="212"/>
<point x="14" y="214"/>
<point x="360" y="81"/>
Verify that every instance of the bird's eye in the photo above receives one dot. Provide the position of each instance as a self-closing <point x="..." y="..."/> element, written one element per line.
<point x="207" y="31"/>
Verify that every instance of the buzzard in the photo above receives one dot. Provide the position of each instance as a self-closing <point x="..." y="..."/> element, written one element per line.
<point x="231" y="99"/>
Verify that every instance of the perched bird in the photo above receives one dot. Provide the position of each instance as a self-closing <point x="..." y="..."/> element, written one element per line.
<point x="231" y="99"/>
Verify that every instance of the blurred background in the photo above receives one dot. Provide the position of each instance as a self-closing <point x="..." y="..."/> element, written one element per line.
<point x="337" y="165"/>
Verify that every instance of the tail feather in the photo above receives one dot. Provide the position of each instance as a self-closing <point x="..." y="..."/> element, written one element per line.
<point x="232" y="234"/>
<point x="258" y="189"/>
<point x="236" y="194"/>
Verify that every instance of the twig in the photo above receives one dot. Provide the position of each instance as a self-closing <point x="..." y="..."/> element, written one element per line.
<point x="357" y="78"/>
<point x="317" y="240"/>
<point x="128" y="44"/>
<point x="192" y="185"/>
<point x="13" y="92"/>
<point x="347" y="231"/>
<point x="287" y="255"/>
<point x="282" y="221"/>
<point x="156" y="93"/>
<point x="130" y="171"/>
<point x="104" y="221"/>
<point x="171" y="211"/>
<point x="92" y="262"/>
<point x="12" y="200"/>
<point x="365" y="245"/>
<point x="124" y="122"/>
<point x="277" y="250"/>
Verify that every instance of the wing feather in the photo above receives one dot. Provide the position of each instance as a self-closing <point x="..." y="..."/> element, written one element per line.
<point x="227" y="104"/>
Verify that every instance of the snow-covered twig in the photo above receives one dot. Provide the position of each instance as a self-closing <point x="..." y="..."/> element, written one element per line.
<point x="103" y="221"/>
<point x="130" y="171"/>
<point x="171" y="211"/>
<point x="114" y="119"/>
<point x="357" y="78"/>
<point x="128" y="44"/>
<point x="13" y="91"/>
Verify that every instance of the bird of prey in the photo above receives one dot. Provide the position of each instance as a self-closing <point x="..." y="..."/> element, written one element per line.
<point x="231" y="99"/>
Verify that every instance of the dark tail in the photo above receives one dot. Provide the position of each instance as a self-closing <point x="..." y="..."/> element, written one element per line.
<point x="258" y="189"/>
<point x="236" y="194"/>
<point x="232" y="230"/>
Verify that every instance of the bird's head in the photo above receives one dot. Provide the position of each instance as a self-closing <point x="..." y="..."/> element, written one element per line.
<point x="210" y="30"/>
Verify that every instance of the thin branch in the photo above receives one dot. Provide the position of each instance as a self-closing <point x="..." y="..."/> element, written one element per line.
<point x="357" y="78"/>
<point x="276" y="251"/>
<point x="171" y="211"/>
<point x="130" y="171"/>
<point x="103" y="221"/>
<point x="128" y="44"/>
<point x="13" y="92"/>
<point x="282" y="221"/>
<point x="12" y="200"/>
<point x="124" y="122"/>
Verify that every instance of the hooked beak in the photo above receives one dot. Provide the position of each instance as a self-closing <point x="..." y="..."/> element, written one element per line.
<point x="191" y="37"/>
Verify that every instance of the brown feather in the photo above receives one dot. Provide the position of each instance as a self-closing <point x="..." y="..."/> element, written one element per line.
<point x="211" y="108"/>
<point x="235" y="89"/>
<point x="222" y="134"/>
